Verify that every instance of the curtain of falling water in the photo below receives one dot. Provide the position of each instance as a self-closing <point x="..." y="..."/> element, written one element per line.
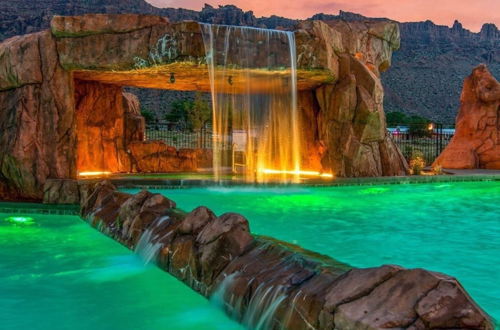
<point x="253" y="82"/>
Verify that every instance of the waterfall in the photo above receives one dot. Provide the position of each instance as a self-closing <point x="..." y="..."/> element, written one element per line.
<point x="253" y="79"/>
<point x="260" y="310"/>
<point x="150" y="243"/>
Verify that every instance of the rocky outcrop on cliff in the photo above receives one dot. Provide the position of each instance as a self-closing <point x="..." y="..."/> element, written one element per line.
<point x="428" y="70"/>
<point x="476" y="143"/>
<point x="266" y="283"/>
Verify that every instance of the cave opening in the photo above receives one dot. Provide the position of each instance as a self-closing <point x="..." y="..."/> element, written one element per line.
<point x="117" y="133"/>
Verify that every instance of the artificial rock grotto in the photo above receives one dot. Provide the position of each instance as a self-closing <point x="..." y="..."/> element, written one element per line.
<point x="63" y="110"/>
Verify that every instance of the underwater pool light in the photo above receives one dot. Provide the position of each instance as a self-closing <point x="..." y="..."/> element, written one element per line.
<point x="296" y="172"/>
<point x="22" y="220"/>
<point x="97" y="173"/>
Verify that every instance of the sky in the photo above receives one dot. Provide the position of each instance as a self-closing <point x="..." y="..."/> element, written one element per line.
<point x="471" y="13"/>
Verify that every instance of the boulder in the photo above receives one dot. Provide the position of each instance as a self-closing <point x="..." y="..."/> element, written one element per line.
<point x="135" y="124"/>
<point x="196" y="220"/>
<point x="157" y="157"/>
<point x="61" y="191"/>
<point x="21" y="62"/>
<point x="36" y="118"/>
<point x="220" y="241"/>
<point x="153" y="207"/>
<point x="416" y="299"/>
<point x="476" y="143"/>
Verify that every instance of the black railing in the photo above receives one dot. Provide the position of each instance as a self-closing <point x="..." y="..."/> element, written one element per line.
<point x="181" y="139"/>
<point x="425" y="140"/>
<point x="187" y="139"/>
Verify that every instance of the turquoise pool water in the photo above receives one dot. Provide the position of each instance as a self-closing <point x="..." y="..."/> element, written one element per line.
<point x="56" y="272"/>
<point x="447" y="227"/>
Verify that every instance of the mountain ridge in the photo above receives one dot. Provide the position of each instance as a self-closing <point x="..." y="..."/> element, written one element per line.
<point x="425" y="77"/>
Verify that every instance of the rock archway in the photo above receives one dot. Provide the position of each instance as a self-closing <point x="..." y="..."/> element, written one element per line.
<point x="56" y="83"/>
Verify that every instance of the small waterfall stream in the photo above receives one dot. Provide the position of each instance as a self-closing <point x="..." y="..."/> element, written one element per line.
<point x="253" y="79"/>
<point x="259" y="312"/>
<point x="150" y="243"/>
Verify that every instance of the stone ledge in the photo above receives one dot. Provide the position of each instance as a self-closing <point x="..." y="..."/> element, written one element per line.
<point x="92" y="24"/>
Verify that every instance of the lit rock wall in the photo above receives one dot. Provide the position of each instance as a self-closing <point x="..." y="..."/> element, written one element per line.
<point x="476" y="143"/>
<point x="100" y="128"/>
<point x="110" y="135"/>
<point x="273" y="283"/>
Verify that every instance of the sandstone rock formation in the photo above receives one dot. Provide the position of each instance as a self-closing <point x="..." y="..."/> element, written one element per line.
<point x="476" y="143"/>
<point x="63" y="110"/>
<point x="272" y="283"/>
<point x="37" y="139"/>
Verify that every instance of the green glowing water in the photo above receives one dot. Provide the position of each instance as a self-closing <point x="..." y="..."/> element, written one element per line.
<point x="447" y="227"/>
<point x="58" y="273"/>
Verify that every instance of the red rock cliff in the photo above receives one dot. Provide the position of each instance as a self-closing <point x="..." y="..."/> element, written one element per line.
<point x="476" y="143"/>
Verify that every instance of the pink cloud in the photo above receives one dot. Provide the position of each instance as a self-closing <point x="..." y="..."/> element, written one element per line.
<point x="472" y="14"/>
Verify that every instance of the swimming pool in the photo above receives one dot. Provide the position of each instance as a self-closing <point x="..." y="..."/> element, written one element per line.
<point x="56" y="272"/>
<point x="452" y="228"/>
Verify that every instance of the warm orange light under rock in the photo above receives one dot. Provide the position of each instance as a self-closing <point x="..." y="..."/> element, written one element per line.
<point x="97" y="173"/>
<point x="296" y="172"/>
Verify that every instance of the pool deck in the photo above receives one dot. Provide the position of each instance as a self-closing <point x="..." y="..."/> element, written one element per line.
<point x="169" y="180"/>
<point x="473" y="172"/>
<point x="38" y="208"/>
<point x="176" y="181"/>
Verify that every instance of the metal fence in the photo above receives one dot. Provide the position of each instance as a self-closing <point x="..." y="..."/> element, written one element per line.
<point x="181" y="139"/>
<point x="427" y="140"/>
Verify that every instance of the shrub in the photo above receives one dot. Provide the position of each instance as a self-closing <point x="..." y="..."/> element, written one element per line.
<point x="417" y="162"/>
<point x="437" y="169"/>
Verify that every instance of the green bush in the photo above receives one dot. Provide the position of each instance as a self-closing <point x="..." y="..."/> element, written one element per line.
<point x="149" y="116"/>
<point x="192" y="114"/>
<point x="396" y="118"/>
<point x="417" y="125"/>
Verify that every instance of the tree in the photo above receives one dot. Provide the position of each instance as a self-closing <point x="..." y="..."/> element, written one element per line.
<point x="192" y="114"/>
<point x="199" y="114"/>
<point x="148" y="115"/>
<point x="396" y="118"/>
<point x="177" y="111"/>
<point x="419" y="126"/>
